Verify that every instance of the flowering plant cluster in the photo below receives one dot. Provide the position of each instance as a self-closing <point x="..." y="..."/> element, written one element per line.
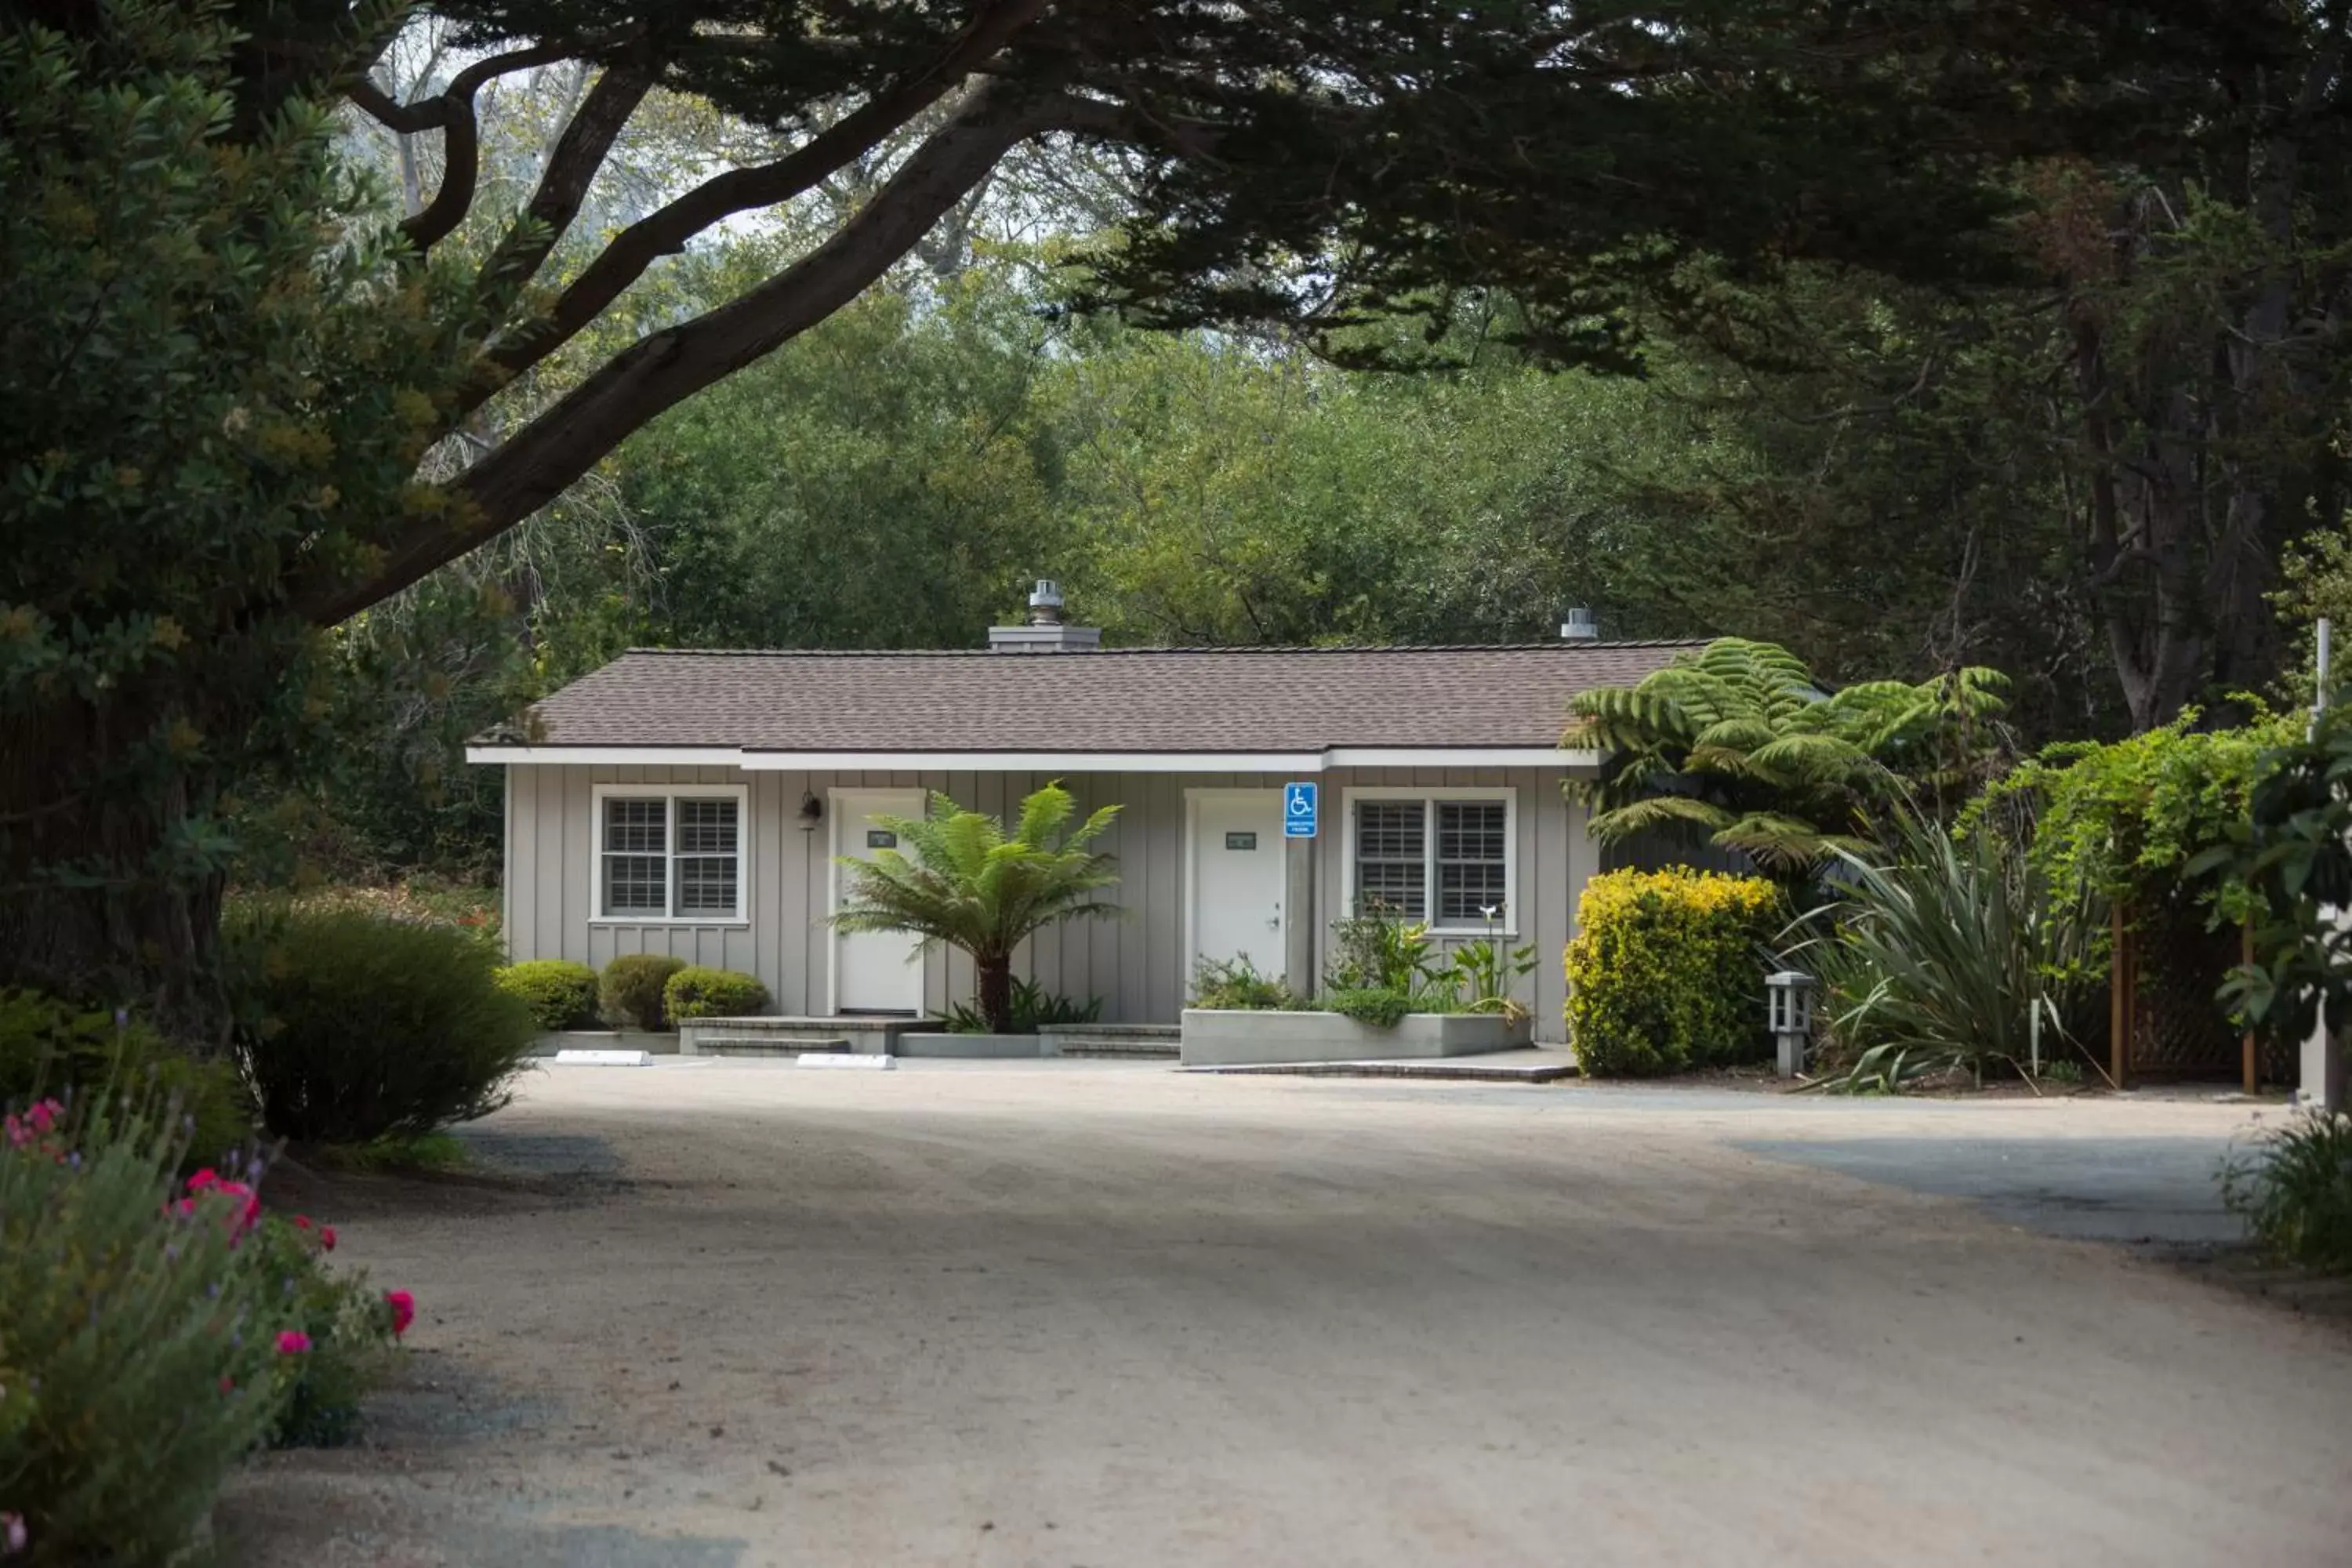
<point x="156" y="1332"/>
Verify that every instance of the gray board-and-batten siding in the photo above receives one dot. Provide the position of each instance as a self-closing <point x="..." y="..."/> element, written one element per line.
<point x="1136" y="962"/>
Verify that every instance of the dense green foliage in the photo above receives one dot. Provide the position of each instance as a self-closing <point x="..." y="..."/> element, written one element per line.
<point x="560" y="993"/>
<point x="361" y="1028"/>
<point x="1736" y="743"/>
<point x="698" y="990"/>
<point x="1235" y="983"/>
<point x="1032" y="1006"/>
<point x="1376" y="1007"/>
<point x="48" y="1046"/>
<point x="137" y="1364"/>
<point x="976" y="888"/>
<point x="2282" y="863"/>
<point x="214" y="387"/>
<point x="1940" y="952"/>
<point x="1666" y="972"/>
<point x="2294" y="1191"/>
<point x="630" y="993"/>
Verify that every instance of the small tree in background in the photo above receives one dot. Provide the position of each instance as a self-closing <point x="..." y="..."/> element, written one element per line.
<point x="971" y="886"/>
<point x="1738" y="744"/>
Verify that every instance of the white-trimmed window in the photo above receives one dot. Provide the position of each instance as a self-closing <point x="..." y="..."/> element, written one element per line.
<point x="670" y="853"/>
<point x="1436" y="854"/>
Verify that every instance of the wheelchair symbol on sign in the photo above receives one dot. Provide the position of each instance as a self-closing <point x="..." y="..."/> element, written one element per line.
<point x="1298" y="810"/>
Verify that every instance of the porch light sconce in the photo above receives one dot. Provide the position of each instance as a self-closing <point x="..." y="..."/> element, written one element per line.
<point x="1789" y="998"/>
<point x="812" y="812"/>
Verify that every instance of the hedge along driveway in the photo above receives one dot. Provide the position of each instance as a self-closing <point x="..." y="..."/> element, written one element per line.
<point x="1065" y="1313"/>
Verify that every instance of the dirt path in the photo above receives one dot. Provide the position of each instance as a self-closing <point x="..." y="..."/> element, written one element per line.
<point x="1112" y="1316"/>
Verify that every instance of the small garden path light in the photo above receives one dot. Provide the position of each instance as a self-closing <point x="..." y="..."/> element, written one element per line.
<point x="1788" y="997"/>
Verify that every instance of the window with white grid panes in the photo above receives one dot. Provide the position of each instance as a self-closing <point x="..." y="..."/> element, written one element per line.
<point x="670" y="857"/>
<point x="1471" y="859"/>
<point x="1434" y="857"/>
<point x="1391" y="857"/>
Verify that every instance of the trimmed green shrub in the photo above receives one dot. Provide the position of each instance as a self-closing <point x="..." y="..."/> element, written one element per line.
<point x="1664" y="973"/>
<point x="698" y="992"/>
<point x="1379" y="1007"/>
<point x="48" y="1046"/>
<point x="629" y="991"/>
<point x="139" y="1359"/>
<point x="358" y="1027"/>
<point x="561" y="994"/>
<point x="2297" y="1197"/>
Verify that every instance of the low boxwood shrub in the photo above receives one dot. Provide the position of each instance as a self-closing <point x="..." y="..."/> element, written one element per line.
<point x="561" y="994"/>
<point x="139" y="1348"/>
<point x="629" y="991"/>
<point x="1665" y="973"/>
<point x="699" y="991"/>
<point x="356" y="1027"/>
<point x="1235" y="983"/>
<point x="49" y="1046"/>
<point x="1380" y="1006"/>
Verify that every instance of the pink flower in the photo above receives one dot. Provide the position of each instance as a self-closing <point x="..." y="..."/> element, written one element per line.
<point x="404" y="1310"/>
<point x="45" y="1115"/>
<point x="229" y="1383"/>
<point x="204" y="1180"/>
<point x="292" y="1342"/>
<point x="327" y="1236"/>
<point x="301" y="1222"/>
<point x="12" y="1534"/>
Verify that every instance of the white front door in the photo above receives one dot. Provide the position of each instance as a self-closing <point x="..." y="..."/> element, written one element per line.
<point x="1238" y="880"/>
<point x="873" y="971"/>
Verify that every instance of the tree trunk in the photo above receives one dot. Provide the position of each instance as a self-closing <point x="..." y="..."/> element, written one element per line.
<point x="101" y="903"/>
<point x="996" y="993"/>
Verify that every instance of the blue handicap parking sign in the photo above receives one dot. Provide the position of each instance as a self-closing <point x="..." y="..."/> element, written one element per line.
<point x="1300" y="806"/>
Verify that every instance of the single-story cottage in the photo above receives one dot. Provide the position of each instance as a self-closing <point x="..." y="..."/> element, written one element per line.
<point x="695" y="803"/>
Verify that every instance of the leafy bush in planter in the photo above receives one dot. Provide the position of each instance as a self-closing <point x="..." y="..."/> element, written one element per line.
<point x="139" y="1354"/>
<point x="697" y="992"/>
<point x="561" y="994"/>
<point x="1666" y="970"/>
<point x="629" y="993"/>
<point x="357" y="1027"/>
<point x="1235" y="984"/>
<point x="48" y="1046"/>
<point x="1033" y="1007"/>
<point x="1378" y="1007"/>
<point x="2298" y="1198"/>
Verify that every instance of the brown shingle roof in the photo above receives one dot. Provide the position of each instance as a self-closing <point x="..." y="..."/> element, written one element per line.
<point x="1141" y="699"/>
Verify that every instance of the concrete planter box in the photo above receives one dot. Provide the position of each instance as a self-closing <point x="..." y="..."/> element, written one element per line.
<point x="985" y="1048"/>
<point x="605" y="1040"/>
<point x="1223" y="1038"/>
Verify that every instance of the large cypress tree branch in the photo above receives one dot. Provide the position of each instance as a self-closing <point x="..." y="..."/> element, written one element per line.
<point x="661" y="371"/>
<point x="667" y="231"/>
<point x="563" y="184"/>
<point x="451" y="111"/>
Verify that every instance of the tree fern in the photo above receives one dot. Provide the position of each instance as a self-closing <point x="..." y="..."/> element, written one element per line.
<point x="1738" y="744"/>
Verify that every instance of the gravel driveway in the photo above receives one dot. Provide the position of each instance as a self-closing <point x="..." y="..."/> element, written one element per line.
<point x="1111" y="1316"/>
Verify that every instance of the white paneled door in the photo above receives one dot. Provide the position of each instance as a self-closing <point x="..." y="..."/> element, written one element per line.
<point x="1238" y="879"/>
<point x="873" y="971"/>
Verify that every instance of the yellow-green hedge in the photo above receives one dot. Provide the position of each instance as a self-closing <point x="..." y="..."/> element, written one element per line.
<point x="1664" y="973"/>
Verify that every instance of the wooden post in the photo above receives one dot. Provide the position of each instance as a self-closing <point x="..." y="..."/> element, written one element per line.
<point x="2119" y="998"/>
<point x="2253" y="1064"/>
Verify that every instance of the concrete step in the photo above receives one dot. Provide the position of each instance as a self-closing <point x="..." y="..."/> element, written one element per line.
<point x="768" y="1046"/>
<point x="1142" y="1050"/>
<point x="1504" y="1066"/>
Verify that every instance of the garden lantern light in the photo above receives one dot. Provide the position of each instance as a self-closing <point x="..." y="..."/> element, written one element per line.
<point x="1789" y="998"/>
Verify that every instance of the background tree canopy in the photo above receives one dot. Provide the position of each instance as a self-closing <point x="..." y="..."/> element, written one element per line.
<point x="1997" y="334"/>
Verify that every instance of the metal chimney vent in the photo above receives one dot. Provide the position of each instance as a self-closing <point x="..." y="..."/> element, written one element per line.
<point x="1045" y="603"/>
<point x="1043" y="632"/>
<point x="1578" y="625"/>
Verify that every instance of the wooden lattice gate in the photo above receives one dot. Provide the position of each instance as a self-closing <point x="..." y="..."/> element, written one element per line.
<point x="2163" y="1019"/>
